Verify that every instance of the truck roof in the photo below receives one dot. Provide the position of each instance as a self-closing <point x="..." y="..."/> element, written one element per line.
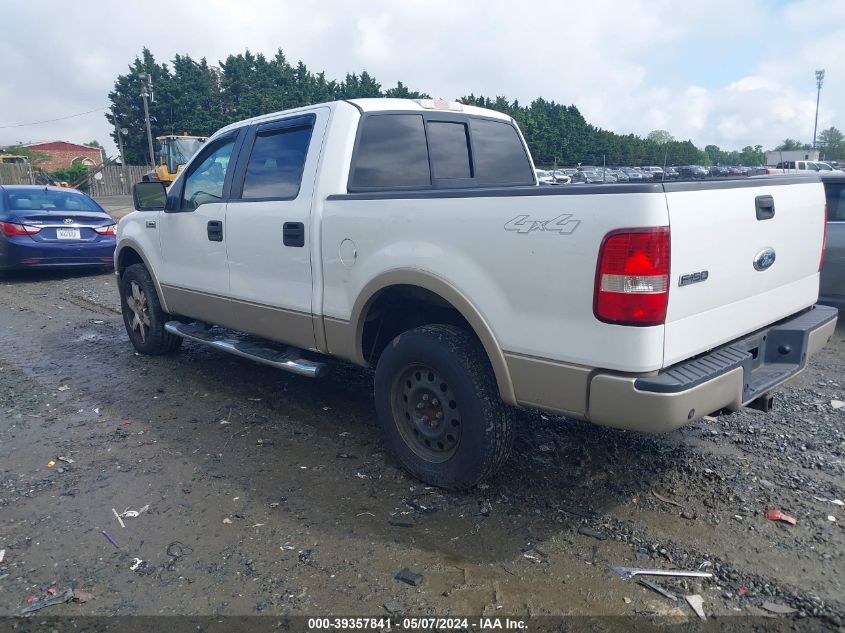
<point x="378" y="105"/>
<point x="416" y="105"/>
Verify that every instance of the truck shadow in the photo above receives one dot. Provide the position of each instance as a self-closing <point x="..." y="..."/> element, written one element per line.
<point x="316" y="445"/>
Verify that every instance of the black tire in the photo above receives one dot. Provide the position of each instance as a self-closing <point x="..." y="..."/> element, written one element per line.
<point x="138" y="298"/>
<point x="473" y="436"/>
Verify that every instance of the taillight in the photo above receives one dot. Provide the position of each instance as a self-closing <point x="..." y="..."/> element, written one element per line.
<point x="632" y="278"/>
<point x="824" y="239"/>
<point x="9" y="229"/>
<point x="111" y="229"/>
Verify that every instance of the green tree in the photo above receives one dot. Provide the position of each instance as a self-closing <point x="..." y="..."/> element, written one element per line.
<point x="832" y="142"/>
<point x="198" y="98"/>
<point x="661" y="137"/>
<point x="789" y="144"/>
<point x="73" y="175"/>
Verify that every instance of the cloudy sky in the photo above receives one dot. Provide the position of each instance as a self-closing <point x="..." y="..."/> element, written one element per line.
<point x="733" y="73"/>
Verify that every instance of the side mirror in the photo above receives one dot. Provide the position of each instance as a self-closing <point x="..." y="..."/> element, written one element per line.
<point x="149" y="196"/>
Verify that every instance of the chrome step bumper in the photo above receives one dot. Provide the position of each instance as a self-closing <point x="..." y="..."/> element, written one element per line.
<point x="260" y="350"/>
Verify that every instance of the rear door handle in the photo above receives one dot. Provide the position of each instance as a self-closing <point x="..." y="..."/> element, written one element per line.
<point x="765" y="206"/>
<point x="293" y="234"/>
<point x="215" y="231"/>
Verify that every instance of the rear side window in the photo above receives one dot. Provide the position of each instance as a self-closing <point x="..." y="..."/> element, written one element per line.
<point x="449" y="146"/>
<point x="276" y="163"/>
<point x="391" y="152"/>
<point x="500" y="157"/>
<point x="835" y="193"/>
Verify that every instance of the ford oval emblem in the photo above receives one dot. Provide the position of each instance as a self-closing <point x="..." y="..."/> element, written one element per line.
<point x="764" y="259"/>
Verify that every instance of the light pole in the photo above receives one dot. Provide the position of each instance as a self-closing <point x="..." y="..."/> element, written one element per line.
<point x="819" y="82"/>
<point x="118" y="133"/>
<point x="146" y="92"/>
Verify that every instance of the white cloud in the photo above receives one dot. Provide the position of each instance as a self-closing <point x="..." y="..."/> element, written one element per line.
<point x="723" y="72"/>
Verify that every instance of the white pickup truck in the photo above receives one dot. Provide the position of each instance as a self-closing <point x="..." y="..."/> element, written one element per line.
<point x="411" y="236"/>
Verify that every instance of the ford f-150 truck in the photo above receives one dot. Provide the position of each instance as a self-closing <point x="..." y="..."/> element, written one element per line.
<point x="412" y="237"/>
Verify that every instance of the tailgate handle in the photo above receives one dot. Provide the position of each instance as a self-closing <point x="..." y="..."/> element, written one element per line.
<point x="765" y="207"/>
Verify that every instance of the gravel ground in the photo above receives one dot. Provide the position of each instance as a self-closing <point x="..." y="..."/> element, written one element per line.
<point x="272" y="494"/>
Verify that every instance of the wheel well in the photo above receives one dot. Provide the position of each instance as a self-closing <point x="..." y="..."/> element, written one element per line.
<point x="400" y="308"/>
<point x="128" y="256"/>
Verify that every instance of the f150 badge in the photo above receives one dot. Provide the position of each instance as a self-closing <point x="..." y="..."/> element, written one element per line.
<point x="563" y="224"/>
<point x="693" y="278"/>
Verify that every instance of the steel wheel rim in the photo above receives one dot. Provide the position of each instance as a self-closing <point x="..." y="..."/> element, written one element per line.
<point x="140" y="310"/>
<point x="426" y="412"/>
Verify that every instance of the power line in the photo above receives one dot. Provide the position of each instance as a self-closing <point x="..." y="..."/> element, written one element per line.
<point x="71" y="116"/>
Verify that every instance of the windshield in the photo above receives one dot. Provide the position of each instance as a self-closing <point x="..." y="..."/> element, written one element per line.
<point x="181" y="150"/>
<point x="47" y="200"/>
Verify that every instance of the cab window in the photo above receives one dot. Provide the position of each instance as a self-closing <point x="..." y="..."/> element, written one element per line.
<point x="207" y="177"/>
<point x="392" y="152"/>
<point x="500" y="158"/>
<point x="276" y="163"/>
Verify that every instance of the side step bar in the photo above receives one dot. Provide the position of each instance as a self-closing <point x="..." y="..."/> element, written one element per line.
<point x="260" y="350"/>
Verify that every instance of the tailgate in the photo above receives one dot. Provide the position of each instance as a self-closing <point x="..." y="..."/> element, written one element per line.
<point x="725" y="229"/>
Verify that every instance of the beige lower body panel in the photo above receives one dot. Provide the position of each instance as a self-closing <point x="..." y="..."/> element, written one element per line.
<point x="616" y="402"/>
<point x="817" y="339"/>
<point x="610" y="399"/>
<point x="549" y="385"/>
<point x="275" y="324"/>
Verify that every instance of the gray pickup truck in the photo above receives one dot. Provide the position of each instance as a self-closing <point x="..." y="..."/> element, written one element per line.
<point x="832" y="283"/>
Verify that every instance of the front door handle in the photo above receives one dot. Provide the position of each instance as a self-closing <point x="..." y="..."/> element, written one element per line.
<point x="293" y="234"/>
<point x="215" y="231"/>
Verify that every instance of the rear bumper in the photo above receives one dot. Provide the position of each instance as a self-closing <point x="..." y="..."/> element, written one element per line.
<point x="729" y="377"/>
<point x="23" y="253"/>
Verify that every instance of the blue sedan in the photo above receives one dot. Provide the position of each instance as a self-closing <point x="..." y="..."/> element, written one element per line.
<point x="45" y="227"/>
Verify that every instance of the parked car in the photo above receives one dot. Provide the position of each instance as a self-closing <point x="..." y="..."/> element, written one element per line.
<point x="307" y="246"/>
<point x="589" y="177"/>
<point x="832" y="286"/>
<point x="561" y="177"/>
<point x="634" y="175"/>
<point x="655" y="171"/>
<point x="620" y="175"/>
<point x="43" y="227"/>
<point x="692" y="172"/>
<point x="544" y="177"/>
<point x="670" y="173"/>
<point x="793" y="167"/>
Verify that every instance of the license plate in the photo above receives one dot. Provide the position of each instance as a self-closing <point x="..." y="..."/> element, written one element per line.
<point x="67" y="234"/>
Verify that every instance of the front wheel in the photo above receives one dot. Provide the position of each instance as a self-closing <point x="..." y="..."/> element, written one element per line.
<point x="142" y="314"/>
<point x="438" y="404"/>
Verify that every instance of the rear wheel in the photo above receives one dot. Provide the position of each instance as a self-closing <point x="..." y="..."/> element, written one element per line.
<point x="142" y="314"/>
<point x="439" y="406"/>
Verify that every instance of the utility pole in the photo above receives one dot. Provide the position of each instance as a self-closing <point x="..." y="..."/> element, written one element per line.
<point x="146" y="92"/>
<point x="120" y="149"/>
<point x="819" y="82"/>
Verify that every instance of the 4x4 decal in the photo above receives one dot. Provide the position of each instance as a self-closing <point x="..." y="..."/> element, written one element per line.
<point x="562" y="224"/>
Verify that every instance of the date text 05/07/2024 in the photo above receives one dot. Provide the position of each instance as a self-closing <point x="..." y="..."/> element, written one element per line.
<point x="411" y="624"/>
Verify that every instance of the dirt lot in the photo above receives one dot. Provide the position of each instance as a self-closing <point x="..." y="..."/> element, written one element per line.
<point x="272" y="494"/>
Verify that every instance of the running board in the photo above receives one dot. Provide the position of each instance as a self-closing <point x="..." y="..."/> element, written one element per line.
<point x="258" y="349"/>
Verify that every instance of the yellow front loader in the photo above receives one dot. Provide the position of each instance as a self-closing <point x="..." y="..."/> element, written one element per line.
<point x="173" y="153"/>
